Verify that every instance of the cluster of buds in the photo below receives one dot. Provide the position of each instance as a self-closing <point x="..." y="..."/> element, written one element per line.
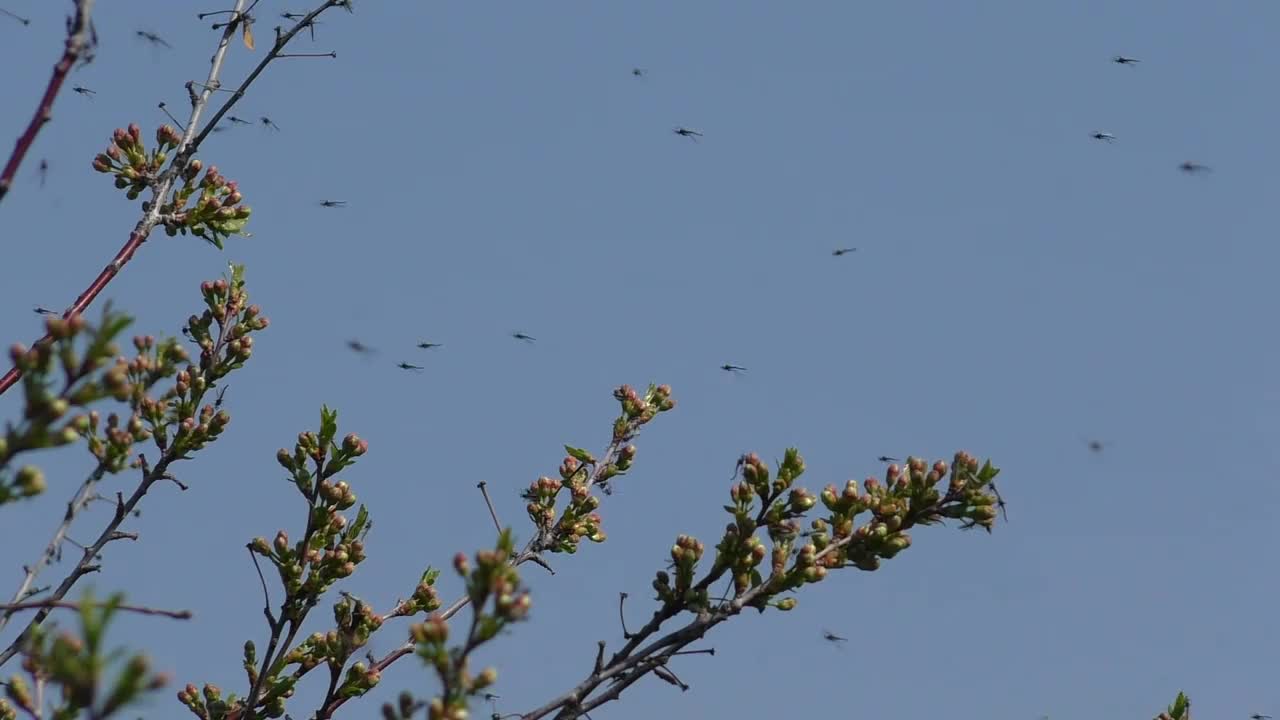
<point x="580" y="472"/>
<point x="76" y="664"/>
<point x="425" y="597"/>
<point x="217" y="212"/>
<point x="224" y="330"/>
<point x="128" y="160"/>
<point x="492" y="577"/>
<point x="209" y="704"/>
<point x="77" y="359"/>
<point x="637" y="410"/>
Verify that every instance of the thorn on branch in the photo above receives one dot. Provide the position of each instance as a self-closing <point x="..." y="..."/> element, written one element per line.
<point x="536" y="559"/>
<point x="599" y="658"/>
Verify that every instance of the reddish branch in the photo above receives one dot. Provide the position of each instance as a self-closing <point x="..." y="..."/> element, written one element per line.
<point x="79" y="41"/>
<point x="136" y="238"/>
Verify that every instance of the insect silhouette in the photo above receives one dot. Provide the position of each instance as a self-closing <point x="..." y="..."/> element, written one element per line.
<point x="295" y="17"/>
<point x="85" y="91"/>
<point x="19" y="18"/>
<point x="429" y="345"/>
<point x="1096" y="446"/>
<point x="359" y="347"/>
<point x="218" y="402"/>
<point x="237" y="121"/>
<point x="733" y="368"/>
<point x="524" y="337"/>
<point x="1259" y="716"/>
<point x="886" y="458"/>
<point x="153" y="38"/>
<point x="407" y="366"/>
<point x="43" y="170"/>
<point x="639" y="72"/>
<point x="266" y="123"/>
<point x="333" y="203"/>
<point x="686" y="132"/>
<point x="1194" y="168"/>
<point x="999" y="502"/>
<point x="1104" y="137"/>
<point x="833" y="638"/>
<point x="842" y="251"/>
<point x="1122" y="60"/>
<point x="43" y="311"/>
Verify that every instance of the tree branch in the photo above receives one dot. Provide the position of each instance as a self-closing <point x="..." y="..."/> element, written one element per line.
<point x="84" y="566"/>
<point x="69" y="605"/>
<point x="169" y="178"/>
<point x="80" y="38"/>
<point x="78" y="502"/>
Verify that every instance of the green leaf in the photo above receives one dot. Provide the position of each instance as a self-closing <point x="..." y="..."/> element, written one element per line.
<point x="988" y="472"/>
<point x="362" y="519"/>
<point x="328" y="425"/>
<point x="580" y="455"/>
<point x="429" y="576"/>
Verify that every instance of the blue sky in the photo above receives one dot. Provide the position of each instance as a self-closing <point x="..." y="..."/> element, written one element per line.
<point x="1018" y="289"/>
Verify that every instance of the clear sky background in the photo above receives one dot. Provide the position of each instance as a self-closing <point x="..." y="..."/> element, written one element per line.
<point x="1018" y="289"/>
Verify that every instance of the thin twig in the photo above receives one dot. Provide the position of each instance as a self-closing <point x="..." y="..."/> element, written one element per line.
<point x="79" y="41"/>
<point x="84" y="566"/>
<point x="168" y="179"/>
<point x="492" y="513"/>
<point x="78" y="502"/>
<point x="69" y="605"/>
<point x="622" y="598"/>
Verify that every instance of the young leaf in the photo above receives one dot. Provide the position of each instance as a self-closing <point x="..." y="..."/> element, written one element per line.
<point x="580" y="455"/>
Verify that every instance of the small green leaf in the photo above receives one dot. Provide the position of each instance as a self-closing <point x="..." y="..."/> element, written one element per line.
<point x="429" y="576"/>
<point x="580" y="455"/>
<point x="328" y="425"/>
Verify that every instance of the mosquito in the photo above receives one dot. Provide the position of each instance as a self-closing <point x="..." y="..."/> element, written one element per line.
<point x="237" y="121"/>
<point x="524" y="337"/>
<point x="1259" y="716"/>
<point x="85" y="91"/>
<point x="733" y="368"/>
<point x="43" y="170"/>
<point x="886" y="458"/>
<point x="359" y="347"/>
<point x="44" y="311"/>
<point x="1096" y="445"/>
<point x="19" y="18"/>
<point x="429" y="345"/>
<point x="218" y="402"/>
<point x="686" y="132"/>
<point x="333" y="203"/>
<point x="1122" y="60"/>
<point x="842" y="251"/>
<point x="999" y="501"/>
<point x="1104" y="137"/>
<point x="1193" y="168"/>
<point x="639" y="72"/>
<point x="407" y="366"/>
<point x="153" y="38"/>
<point x="833" y="638"/>
<point x="266" y="123"/>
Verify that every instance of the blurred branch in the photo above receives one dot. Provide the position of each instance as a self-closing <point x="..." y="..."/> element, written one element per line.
<point x="81" y="499"/>
<point x="186" y="150"/>
<point x="69" y="605"/>
<point x="80" y="40"/>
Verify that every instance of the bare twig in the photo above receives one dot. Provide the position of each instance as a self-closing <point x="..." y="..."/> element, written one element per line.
<point x="492" y="513"/>
<point x="79" y="41"/>
<point x="69" y="605"/>
<point x="186" y="149"/>
<point x="622" y="598"/>
<point x="84" y="566"/>
<point x="78" y="502"/>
